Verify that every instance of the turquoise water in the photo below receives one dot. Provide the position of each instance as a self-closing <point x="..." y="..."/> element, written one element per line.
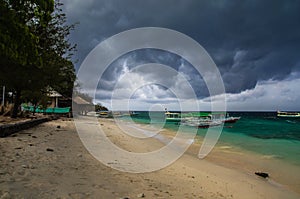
<point x="266" y="134"/>
<point x="259" y="132"/>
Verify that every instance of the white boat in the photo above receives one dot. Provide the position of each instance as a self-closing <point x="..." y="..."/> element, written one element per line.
<point x="133" y="113"/>
<point x="172" y="117"/>
<point x="200" y="119"/>
<point x="200" y="122"/>
<point x="288" y="115"/>
<point x="231" y="119"/>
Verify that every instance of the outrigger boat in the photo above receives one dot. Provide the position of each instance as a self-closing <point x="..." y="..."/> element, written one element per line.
<point x="217" y="116"/>
<point x="201" y="119"/>
<point x="104" y="114"/>
<point x="231" y="119"/>
<point x="201" y="123"/>
<point x="288" y="115"/>
<point x="133" y="113"/>
<point x="173" y="117"/>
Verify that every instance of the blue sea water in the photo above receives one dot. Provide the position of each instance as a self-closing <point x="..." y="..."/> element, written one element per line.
<point x="259" y="132"/>
<point x="264" y="133"/>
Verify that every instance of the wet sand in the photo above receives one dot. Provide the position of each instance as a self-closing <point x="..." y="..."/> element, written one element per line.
<point x="51" y="162"/>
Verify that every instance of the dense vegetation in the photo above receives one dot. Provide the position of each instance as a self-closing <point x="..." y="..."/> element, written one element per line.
<point x="34" y="50"/>
<point x="100" y="107"/>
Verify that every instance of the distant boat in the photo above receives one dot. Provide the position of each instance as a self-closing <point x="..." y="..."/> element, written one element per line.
<point x="172" y="117"/>
<point x="133" y="113"/>
<point x="231" y="119"/>
<point x="212" y="117"/>
<point x="104" y="114"/>
<point x="288" y="115"/>
<point x="201" y="123"/>
<point x="200" y="119"/>
<point x="205" y="125"/>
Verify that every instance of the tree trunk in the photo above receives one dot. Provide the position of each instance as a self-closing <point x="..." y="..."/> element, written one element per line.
<point x="34" y="107"/>
<point x="16" y="104"/>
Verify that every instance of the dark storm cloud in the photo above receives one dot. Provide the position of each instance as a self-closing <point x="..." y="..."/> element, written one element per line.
<point x="136" y="58"/>
<point x="250" y="41"/>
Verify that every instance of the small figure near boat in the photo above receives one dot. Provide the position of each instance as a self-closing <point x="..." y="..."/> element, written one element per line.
<point x="133" y="113"/>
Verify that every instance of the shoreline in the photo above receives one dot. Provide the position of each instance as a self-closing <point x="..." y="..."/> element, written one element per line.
<point x="282" y="173"/>
<point x="51" y="162"/>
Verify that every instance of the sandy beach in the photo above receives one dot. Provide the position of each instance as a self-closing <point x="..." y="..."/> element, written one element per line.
<point x="51" y="162"/>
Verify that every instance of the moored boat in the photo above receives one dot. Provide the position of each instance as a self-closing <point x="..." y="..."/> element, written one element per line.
<point x="200" y="119"/>
<point x="231" y="119"/>
<point x="288" y="115"/>
<point x="172" y="117"/>
<point x="205" y="125"/>
<point x="104" y="114"/>
<point x="133" y="113"/>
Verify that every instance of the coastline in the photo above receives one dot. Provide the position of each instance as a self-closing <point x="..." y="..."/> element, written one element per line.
<point x="28" y="169"/>
<point x="282" y="174"/>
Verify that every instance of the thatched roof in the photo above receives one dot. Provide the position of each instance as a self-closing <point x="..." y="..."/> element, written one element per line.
<point x="81" y="101"/>
<point x="53" y="93"/>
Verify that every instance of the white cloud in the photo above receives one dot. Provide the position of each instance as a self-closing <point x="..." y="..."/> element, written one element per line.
<point x="267" y="96"/>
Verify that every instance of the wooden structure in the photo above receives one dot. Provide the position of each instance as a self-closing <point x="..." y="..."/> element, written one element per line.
<point x="82" y="106"/>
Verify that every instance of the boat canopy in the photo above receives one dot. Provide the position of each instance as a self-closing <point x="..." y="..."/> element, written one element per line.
<point x="202" y="114"/>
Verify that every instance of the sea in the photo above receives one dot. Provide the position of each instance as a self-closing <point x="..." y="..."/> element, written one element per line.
<point x="259" y="132"/>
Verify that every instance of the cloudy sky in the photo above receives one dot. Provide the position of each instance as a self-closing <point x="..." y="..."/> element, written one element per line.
<point x="254" y="43"/>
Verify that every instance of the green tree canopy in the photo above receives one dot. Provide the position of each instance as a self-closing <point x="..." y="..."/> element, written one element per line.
<point x="99" y="107"/>
<point x="34" y="49"/>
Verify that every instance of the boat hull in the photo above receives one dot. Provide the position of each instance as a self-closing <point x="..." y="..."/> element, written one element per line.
<point x="231" y="120"/>
<point x="173" y="120"/>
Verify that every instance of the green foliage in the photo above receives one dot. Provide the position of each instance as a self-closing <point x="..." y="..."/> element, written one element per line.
<point x="18" y="46"/>
<point x="34" y="50"/>
<point x="35" y="97"/>
<point x="99" y="107"/>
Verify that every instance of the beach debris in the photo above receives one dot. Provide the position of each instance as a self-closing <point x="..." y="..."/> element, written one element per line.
<point x="58" y="126"/>
<point x="262" y="174"/>
<point x="24" y="166"/>
<point x="49" y="149"/>
<point x="18" y="148"/>
<point x="125" y="198"/>
<point x="33" y="136"/>
<point x="141" y="195"/>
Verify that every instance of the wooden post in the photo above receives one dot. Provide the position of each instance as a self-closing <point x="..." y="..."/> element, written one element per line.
<point x="56" y="101"/>
<point x="3" y="96"/>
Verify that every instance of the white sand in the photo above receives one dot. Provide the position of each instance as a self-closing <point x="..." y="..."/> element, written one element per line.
<point x="28" y="170"/>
